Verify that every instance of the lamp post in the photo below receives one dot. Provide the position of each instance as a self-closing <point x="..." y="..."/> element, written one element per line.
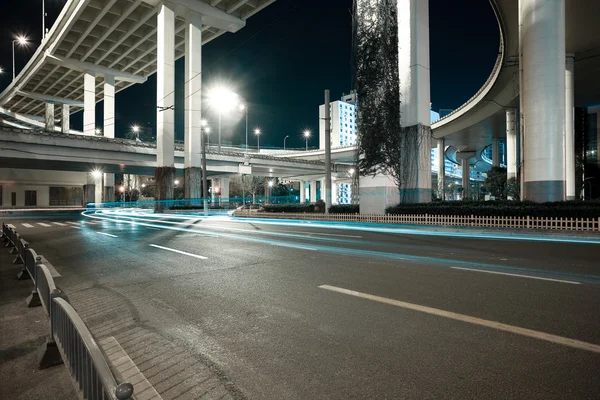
<point x="270" y="191"/>
<point x="284" y="141"/>
<point x="245" y="109"/>
<point x="257" y="133"/>
<point x="22" y="41"/>
<point x="136" y="130"/>
<point x="43" y="20"/>
<point x="306" y="136"/>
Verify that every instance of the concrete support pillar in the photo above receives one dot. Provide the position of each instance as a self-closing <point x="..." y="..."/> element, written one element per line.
<point x="495" y="152"/>
<point x="313" y="191"/>
<point x="65" y="119"/>
<point x="109" y="187"/>
<point x="193" y="106"/>
<point x="165" y="94"/>
<point x="302" y="192"/>
<point x="109" y="107"/>
<point x="570" y="126"/>
<point x="542" y="61"/>
<point x="511" y="143"/>
<point x="441" y="166"/>
<point x="413" y="63"/>
<point x="89" y="103"/>
<point x="377" y="193"/>
<point x="98" y="187"/>
<point x="224" y="192"/>
<point x="466" y="178"/>
<point x="49" y="117"/>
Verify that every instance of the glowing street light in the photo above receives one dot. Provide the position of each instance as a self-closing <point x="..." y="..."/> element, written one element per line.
<point x="257" y="133"/>
<point x="98" y="131"/>
<point x="122" y="190"/>
<point x="176" y="182"/>
<point x="224" y="100"/>
<point x="306" y="136"/>
<point x="270" y="184"/>
<point x="22" y="41"/>
<point x="97" y="174"/>
<point x="1" y="70"/>
<point x="351" y="171"/>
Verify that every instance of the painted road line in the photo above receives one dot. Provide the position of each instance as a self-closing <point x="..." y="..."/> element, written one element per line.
<point x="179" y="251"/>
<point x="517" y="275"/>
<point x="73" y="223"/>
<point x="60" y="224"/>
<point x="577" y="344"/>
<point x="44" y="225"/>
<point x="27" y="225"/>
<point x="107" y="234"/>
<point x="121" y="361"/>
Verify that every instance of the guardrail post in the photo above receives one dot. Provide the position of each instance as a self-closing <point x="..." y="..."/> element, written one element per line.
<point x="48" y="354"/>
<point x="33" y="300"/>
<point x="14" y="244"/>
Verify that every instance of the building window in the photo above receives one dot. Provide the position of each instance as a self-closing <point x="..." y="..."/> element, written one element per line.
<point x="30" y="198"/>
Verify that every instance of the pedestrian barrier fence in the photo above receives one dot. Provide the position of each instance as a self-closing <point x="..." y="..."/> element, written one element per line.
<point x="70" y="341"/>
<point x="569" y="224"/>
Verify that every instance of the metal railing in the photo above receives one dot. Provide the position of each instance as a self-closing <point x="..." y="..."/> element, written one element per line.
<point x="551" y="223"/>
<point x="70" y="341"/>
<point x="83" y="357"/>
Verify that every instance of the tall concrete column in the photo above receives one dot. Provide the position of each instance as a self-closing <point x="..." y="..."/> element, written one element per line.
<point x="441" y="165"/>
<point x="413" y="63"/>
<point x="313" y="191"/>
<point x="65" y="123"/>
<point x="49" y="117"/>
<point x="542" y="61"/>
<point x="193" y="106"/>
<point x="109" y="187"/>
<point x="495" y="152"/>
<point x="224" y="192"/>
<point x="335" y="196"/>
<point x="109" y="107"/>
<point x="89" y="103"/>
<point x="466" y="177"/>
<point x="165" y="94"/>
<point x="570" y="126"/>
<point x="302" y="192"/>
<point x="511" y="143"/>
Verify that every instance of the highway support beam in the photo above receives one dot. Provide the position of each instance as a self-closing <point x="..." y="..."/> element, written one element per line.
<point x="165" y="118"/>
<point x="89" y="104"/>
<point x="495" y="152"/>
<point x="193" y="107"/>
<point x="65" y="122"/>
<point x="49" y="117"/>
<point x="570" y="126"/>
<point x="542" y="61"/>
<point x="511" y="143"/>
<point x="413" y="64"/>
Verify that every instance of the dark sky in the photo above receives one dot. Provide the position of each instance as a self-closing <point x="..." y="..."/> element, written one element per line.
<point x="284" y="58"/>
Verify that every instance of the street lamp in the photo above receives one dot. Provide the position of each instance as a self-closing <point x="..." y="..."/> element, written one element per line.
<point x="22" y="41"/>
<point x="223" y="100"/>
<point x="207" y="131"/>
<point x="245" y="109"/>
<point x="1" y="70"/>
<point x="284" y="141"/>
<point x="122" y="190"/>
<point x="135" y="128"/>
<point x="307" y="136"/>
<point x="176" y="182"/>
<point x="257" y="133"/>
<point x="98" y="131"/>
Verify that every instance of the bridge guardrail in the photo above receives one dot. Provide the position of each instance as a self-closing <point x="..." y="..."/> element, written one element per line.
<point x="70" y="341"/>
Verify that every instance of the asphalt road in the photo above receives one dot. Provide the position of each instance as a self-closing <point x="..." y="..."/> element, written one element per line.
<point x="221" y="308"/>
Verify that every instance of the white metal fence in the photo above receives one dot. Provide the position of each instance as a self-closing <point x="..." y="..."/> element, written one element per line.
<point x="569" y="224"/>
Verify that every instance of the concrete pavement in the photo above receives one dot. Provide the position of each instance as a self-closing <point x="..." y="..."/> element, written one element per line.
<point x="238" y="309"/>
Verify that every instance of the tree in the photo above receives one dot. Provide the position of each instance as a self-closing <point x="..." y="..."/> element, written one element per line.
<point x="495" y="183"/>
<point x="252" y="185"/>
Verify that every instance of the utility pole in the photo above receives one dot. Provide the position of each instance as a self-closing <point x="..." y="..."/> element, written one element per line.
<point x="327" y="153"/>
<point x="204" y="179"/>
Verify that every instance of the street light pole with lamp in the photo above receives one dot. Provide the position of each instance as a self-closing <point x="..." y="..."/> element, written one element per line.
<point x="307" y="136"/>
<point x="224" y="100"/>
<point x="270" y="185"/>
<point x="22" y="41"/>
<point x="284" y="139"/>
<point x="257" y="133"/>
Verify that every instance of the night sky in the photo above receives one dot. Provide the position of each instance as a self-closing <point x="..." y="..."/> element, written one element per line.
<point x="283" y="59"/>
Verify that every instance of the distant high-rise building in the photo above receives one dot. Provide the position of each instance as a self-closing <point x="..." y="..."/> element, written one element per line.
<point x="343" y="122"/>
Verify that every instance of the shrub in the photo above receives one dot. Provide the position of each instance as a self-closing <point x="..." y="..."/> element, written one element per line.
<point x="567" y="209"/>
<point x="289" y="208"/>
<point x="344" y="209"/>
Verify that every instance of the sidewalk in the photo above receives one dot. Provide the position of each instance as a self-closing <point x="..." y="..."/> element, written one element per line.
<point x="22" y="330"/>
